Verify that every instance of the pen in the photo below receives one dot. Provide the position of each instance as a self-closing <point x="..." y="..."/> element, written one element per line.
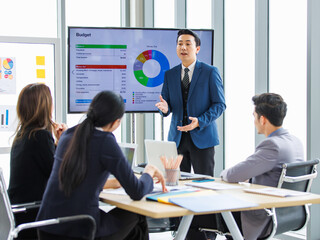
<point x="203" y="180"/>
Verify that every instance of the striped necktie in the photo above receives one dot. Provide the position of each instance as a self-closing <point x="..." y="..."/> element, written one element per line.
<point x="185" y="80"/>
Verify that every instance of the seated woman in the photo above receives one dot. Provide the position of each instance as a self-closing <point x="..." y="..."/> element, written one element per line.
<point x="32" y="150"/>
<point x="86" y="155"/>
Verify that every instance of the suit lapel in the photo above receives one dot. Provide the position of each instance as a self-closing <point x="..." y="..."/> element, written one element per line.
<point x="195" y="77"/>
<point x="177" y="83"/>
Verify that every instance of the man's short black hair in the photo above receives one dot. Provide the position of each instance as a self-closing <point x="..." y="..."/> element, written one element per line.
<point x="271" y="106"/>
<point x="189" y="32"/>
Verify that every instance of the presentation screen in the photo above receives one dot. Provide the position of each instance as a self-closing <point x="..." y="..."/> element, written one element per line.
<point x="129" y="61"/>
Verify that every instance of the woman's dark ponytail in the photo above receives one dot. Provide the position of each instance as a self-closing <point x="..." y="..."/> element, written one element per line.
<point x="105" y="108"/>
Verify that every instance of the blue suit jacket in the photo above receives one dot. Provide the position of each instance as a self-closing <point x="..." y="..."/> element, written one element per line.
<point x="205" y="101"/>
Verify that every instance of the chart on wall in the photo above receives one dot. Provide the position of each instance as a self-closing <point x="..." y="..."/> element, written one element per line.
<point x="7" y="75"/>
<point x="131" y="62"/>
<point x="7" y="117"/>
<point x="21" y="63"/>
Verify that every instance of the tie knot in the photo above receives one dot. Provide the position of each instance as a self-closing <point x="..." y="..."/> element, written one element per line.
<point x="186" y="70"/>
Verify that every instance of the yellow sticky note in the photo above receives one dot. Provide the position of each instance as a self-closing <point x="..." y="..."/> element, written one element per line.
<point x="41" y="73"/>
<point x="40" y="60"/>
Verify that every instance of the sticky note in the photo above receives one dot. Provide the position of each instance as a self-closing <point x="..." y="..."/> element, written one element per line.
<point x="41" y="73"/>
<point x="40" y="60"/>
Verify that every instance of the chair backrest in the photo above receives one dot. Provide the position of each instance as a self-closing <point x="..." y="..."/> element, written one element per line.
<point x="6" y="216"/>
<point x="298" y="175"/>
<point x="295" y="176"/>
<point x="8" y="230"/>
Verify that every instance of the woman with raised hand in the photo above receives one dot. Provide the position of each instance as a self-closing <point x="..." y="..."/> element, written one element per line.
<point x="86" y="155"/>
<point x="32" y="150"/>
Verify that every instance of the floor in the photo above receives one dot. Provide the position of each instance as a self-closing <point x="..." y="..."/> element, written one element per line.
<point x="290" y="236"/>
<point x="298" y="235"/>
<point x="168" y="236"/>
<point x="161" y="236"/>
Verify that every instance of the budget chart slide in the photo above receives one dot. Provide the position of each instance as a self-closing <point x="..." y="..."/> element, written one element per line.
<point x="131" y="62"/>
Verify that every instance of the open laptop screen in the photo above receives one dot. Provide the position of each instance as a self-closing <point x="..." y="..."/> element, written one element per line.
<point x="155" y="149"/>
<point x="129" y="151"/>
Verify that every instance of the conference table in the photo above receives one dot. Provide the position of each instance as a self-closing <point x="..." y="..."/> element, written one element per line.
<point x="160" y="210"/>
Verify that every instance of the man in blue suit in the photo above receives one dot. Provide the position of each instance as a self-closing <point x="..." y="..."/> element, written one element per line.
<point x="193" y="93"/>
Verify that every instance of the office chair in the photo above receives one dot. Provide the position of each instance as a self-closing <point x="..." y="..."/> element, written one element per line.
<point x="163" y="224"/>
<point x="296" y="176"/>
<point x="9" y="231"/>
<point x="23" y="213"/>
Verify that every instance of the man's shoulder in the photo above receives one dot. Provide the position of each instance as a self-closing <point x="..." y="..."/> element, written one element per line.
<point x="281" y="139"/>
<point x="269" y="143"/>
<point x="175" y="68"/>
<point x="205" y="66"/>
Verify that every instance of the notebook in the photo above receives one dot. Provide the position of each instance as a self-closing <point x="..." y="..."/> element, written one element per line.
<point x="165" y="197"/>
<point x="155" y="149"/>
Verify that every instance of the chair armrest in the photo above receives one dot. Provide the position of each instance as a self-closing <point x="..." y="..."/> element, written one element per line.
<point x="48" y="222"/>
<point x="299" y="178"/>
<point x="23" y="207"/>
<point x="36" y="203"/>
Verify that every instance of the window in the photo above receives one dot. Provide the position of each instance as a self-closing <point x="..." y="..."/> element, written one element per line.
<point x="199" y="14"/>
<point x="288" y="61"/>
<point x="164" y="13"/>
<point x="99" y="13"/>
<point x="163" y="18"/>
<point x="239" y="80"/>
<point x="32" y="18"/>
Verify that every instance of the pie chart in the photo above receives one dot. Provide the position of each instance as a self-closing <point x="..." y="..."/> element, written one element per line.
<point x="8" y="63"/>
<point x="149" y="68"/>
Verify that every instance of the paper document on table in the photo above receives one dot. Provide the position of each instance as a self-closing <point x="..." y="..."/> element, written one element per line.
<point x="118" y="191"/>
<point x="213" y="185"/>
<point x="106" y="207"/>
<point x="156" y="188"/>
<point x="278" y="192"/>
<point x="210" y="203"/>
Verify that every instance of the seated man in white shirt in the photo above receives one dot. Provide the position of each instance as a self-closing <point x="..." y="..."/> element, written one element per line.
<point x="262" y="167"/>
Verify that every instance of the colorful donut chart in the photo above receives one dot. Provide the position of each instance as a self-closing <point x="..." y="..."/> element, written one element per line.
<point x="8" y="63"/>
<point x="138" y="68"/>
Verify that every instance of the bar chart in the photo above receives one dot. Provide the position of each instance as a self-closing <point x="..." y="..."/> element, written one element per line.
<point x="7" y="115"/>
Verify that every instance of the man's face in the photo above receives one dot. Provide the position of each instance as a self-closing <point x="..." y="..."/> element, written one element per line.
<point x="257" y="122"/>
<point x="186" y="49"/>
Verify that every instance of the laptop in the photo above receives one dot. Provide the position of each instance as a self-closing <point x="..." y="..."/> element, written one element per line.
<point x="155" y="149"/>
<point x="130" y="151"/>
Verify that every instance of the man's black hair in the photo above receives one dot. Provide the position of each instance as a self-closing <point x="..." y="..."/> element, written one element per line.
<point x="190" y="32"/>
<point x="271" y="106"/>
